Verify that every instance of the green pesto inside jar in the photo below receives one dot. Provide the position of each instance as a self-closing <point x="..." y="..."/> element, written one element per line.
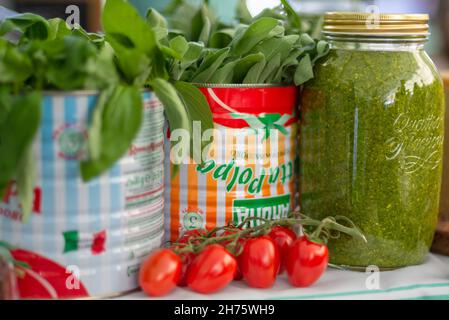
<point x="372" y="132"/>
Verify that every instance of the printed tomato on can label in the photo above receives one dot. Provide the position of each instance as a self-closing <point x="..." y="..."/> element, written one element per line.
<point x="249" y="170"/>
<point x="87" y="239"/>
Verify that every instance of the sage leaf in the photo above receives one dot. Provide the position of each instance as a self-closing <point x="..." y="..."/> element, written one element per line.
<point x="304" y="71"/>
<point x="292" y="15"/>
<point x="180" y="45"/>
<point x="158" y="23"/>
<point x="175" y="111"/>
<point x="225" y="74"/>
<point x="254" y="73"/>
<point x="244" y="65"/>
<point x="254" y="34"/>
<point x="270" y="69"/>
<point x="222" y="38"/>
<point x="199" y="111"/>
<point x="212" y="62"/>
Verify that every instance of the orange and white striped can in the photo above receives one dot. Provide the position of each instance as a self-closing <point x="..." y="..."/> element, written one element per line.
<point x="250" y="169"/>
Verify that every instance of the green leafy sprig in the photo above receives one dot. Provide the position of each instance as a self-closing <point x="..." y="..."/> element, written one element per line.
<point x="49" y="55"/>
<point x="270" y="49"/>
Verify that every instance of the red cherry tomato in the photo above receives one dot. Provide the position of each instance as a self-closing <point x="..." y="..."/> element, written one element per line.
<point x="306" y="262"/>
<point x="190" y="234"/>
<point x="259" y="262"/>
<point x="283" y="237"/>
<point x="187" y="259"/>
<point x="239" y="247"/>
<point x="160" y="273"/>
<point x="212" y="270"/>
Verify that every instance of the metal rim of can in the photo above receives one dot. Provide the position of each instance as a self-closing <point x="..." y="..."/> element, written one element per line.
<point x="240" y="86"/>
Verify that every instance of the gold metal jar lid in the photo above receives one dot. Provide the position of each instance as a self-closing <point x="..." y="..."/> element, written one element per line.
<point x="373" y="24"/>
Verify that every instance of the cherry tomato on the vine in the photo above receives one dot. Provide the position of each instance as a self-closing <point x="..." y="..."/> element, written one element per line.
<point x="187" y="258"/>
<point x="259" y="262"/>
<point x="306" y="262"/>
<point x="160" y="273"/>
<point x="212" y="270"/>
<point x="238" y="248"/>
<point x="283" y="237"/>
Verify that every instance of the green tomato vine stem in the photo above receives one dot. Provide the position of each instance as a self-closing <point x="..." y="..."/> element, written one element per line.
<point x="320" y="234"/>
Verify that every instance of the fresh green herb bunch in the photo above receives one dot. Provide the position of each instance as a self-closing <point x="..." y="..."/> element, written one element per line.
<point x="260" y="53"/>
<point x="293" y="22"/>
<point x="270" y="50"/>
<point x="198" y="22"/>
<point x="49" y="55"/>
<point x="195" y="23"/>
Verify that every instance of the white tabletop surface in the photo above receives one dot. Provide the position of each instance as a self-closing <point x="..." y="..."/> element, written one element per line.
<point x="428" y="281"/>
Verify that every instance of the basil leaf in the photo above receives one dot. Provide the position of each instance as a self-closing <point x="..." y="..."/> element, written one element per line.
<point x="96" y="125"/>
<point x="116" y="124"/>
<point x="26" y="178"/>
<point x="33" y="27"/>
<point x="58" y="29"/>
<point x="255" y="33"/>
<point x="6" y="103"/>
<point x="15" y="66"/>
<point x="17" y="133"/>
<point x="120" y="18"/>
<point x="75" y="63"/>
<point x="133" y="40"/>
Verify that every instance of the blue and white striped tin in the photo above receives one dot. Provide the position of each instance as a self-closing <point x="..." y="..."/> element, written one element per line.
<point x="98" y="232"/>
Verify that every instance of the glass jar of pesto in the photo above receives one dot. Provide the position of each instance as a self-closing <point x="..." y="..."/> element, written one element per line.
<point x="372" y="133"/>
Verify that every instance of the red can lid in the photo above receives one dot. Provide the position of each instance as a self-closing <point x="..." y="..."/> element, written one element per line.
<point x="230" y="105"/>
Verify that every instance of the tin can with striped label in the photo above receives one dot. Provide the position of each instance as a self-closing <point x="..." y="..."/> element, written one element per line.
<point x="250" y="168"/>
<point x="86" y="239"/>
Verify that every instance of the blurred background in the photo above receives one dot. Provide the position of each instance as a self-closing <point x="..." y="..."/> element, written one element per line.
<point x="90" y="11"/>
